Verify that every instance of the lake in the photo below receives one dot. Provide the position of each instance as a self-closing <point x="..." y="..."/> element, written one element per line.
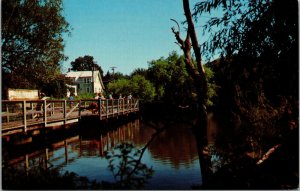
<point x="168" y="153"/>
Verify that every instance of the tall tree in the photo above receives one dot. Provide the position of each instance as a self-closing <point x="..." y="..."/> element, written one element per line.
<point x="259" y="73"/>
<point x="197" y="72"/>
<point x="195" y="69"/>
<point x="86" y="63"/>
<point x="32" y="42"/>
<point x="260" y="42"/>
<point x="136" y="85"/>
<point x="172" y="82"/>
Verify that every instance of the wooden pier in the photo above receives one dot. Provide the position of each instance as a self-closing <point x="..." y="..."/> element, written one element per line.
<point x="28" y="115"/>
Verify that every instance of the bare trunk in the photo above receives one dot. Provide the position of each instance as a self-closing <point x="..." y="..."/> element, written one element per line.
<point x="197" y="72"/>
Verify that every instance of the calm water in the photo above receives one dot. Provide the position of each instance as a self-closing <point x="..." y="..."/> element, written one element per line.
<point x="172" y="154"/>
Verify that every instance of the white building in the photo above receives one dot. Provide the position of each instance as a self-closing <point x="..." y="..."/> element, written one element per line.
<point x="85" y="82"/>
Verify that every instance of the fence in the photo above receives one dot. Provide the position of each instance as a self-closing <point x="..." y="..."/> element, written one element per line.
<point x="18" y="116"/>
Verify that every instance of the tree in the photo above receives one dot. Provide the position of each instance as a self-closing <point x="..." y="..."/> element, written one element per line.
<point x="260" y="43"/>
<point x="158" y="73"/>
<point x="250" y="27"/>
<point x="265" y="32"/>
<point x="197" y="72"/>
<point x="195" y="69"/>
<point x="258" y="70"/>
<point x="86" y="63"/>
<point x="140" y="71"/>
<point x="172" y="82"/>
<point x="137" y="85"/>
<point x="32" y="42"/>
<point x="142" y="88"/>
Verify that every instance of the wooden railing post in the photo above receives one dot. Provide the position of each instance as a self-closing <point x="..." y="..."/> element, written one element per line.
<point x="118" y="109"/>
<point x="99" y="108"/>
<point x="123" y="100"/>
<point x="130" y="105"/>
<point x="45" y="113"/>
<point x="27" y="164"/>
<point x="46" y="158"/>
<point x="53" y="108"/>
<point x="79" y="110"/>
<point x="65" y="111"/>
<point x="7" y="112"/>
<point x="24" y="116"/>
<point x="106" y="108"/>
<point x="112" y="106"/>
<point x="31" y="109"/>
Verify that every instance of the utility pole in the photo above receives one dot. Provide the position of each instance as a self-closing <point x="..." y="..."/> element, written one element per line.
<point x="113" y="70"/>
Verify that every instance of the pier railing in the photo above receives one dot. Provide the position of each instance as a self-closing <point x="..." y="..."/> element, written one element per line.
<point x="18" y="116"/>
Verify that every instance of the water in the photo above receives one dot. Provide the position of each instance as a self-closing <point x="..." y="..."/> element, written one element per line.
<point x="171" y="154"/>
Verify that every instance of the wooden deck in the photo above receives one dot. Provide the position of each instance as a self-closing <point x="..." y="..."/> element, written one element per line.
<point x="23" y="116"/>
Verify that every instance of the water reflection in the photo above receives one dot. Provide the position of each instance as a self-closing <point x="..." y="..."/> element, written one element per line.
<point x="171" y="153"/>
<point x="126" y="166"/>
<point x="176" y="147"/>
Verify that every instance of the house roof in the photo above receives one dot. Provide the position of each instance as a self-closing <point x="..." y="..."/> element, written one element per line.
<point x="78" y="74"/>
<point x="82" y="74"/>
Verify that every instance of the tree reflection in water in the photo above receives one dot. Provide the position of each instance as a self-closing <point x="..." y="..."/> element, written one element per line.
<point x="125" y="164"/>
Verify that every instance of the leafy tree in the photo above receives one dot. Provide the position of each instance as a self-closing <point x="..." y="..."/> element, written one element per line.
<point x="173" y="83"/>
<point x="250" y="27"/>
<point x="86" y="63"/>
<point x="32" y="42"/>
<point x="119" y="75"/>
<point x="121" y="86"/>
<point x="140" y="71"/>
<point x="257" y="71"/>
<point x="159" y="75"/>
<point x="264" y="38"/>
<point x="137" y="85"/>
<point x="142" y="88"/>
<point x="260" y="44"/>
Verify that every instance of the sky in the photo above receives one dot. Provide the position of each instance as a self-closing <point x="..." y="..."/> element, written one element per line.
<point x="125" y="34"/>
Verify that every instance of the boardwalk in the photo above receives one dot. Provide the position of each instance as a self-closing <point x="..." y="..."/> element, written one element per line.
<point x="23" y="116"/>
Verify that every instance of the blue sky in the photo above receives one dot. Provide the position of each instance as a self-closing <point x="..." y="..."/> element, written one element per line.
<point x="122" y="33"/>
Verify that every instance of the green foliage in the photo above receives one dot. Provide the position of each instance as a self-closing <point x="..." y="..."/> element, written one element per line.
<point x="212" y="86"/>
<point x="137" y="85"/>
<point x="142" y="88"/>
<point x="249" y="27"/>
<point x="121" y="86"/>
<point x="140" y="71"/>
<point x="86" y="63"/>
<point x="258" y="74"/>
<point x="32" y="42"/>
<point x="119" y="75"/>
<point x="173" y="83"/>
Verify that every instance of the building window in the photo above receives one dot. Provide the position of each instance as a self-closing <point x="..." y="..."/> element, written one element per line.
<point x="87" y="80"/>
<point x="88" y="90"/>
